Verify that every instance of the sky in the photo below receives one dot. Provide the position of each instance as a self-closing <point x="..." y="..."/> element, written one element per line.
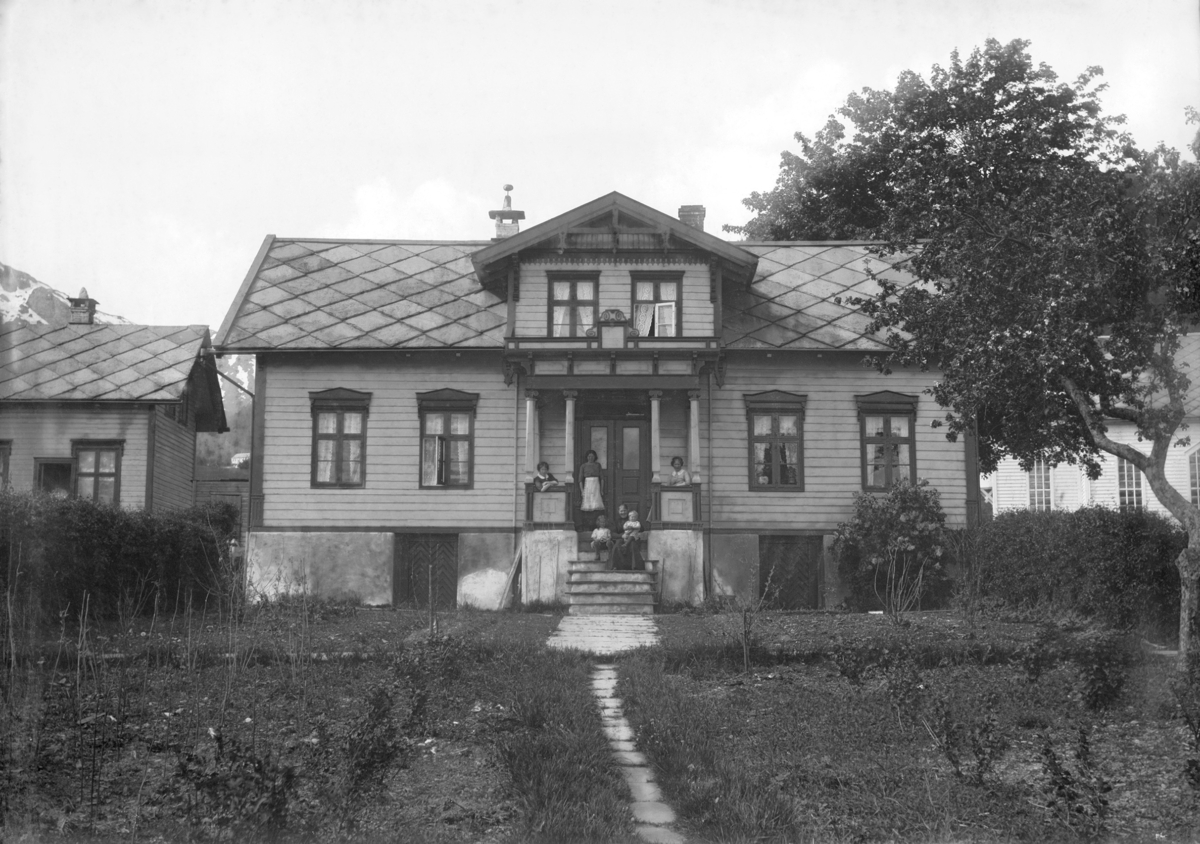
<point x="148" y="146"/>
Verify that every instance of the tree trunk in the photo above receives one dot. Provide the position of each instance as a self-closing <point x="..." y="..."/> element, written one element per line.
<point x="1188" y="564"/>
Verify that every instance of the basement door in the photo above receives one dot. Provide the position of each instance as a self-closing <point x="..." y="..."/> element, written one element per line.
<point x="789" y="571"/>
<point x="425" y="571"/>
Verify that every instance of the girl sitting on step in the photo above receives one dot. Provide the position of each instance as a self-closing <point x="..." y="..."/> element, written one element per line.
<point x="602" y="539"/>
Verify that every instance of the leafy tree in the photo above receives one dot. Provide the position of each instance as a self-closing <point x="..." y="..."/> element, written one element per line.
<point x="1057" y="266"/>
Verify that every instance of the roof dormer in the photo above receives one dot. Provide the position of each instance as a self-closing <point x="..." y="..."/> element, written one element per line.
<point x="611" y="225"/>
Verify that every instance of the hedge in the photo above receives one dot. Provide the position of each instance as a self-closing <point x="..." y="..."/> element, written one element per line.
<point x="56" y="550"/>
<point x="1117" y="568"/>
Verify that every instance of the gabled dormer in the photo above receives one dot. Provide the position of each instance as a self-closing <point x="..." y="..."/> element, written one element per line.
<point x="614" y="288"/>
<point x="614" y="261"/>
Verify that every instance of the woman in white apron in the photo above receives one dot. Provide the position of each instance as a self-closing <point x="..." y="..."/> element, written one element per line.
<point x="591" y="495"/>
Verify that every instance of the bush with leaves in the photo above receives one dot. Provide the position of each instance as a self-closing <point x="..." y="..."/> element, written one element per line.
<point x="1117" y="568"/>
<point x="892" y="553"/>
<point x="58" y="549"/>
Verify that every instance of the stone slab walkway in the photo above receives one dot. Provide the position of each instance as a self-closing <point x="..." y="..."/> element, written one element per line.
<point x="604" y="635"/>
<point x="652" y="817"/>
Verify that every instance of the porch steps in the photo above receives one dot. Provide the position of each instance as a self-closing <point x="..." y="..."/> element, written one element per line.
<point x="592" y="589"/>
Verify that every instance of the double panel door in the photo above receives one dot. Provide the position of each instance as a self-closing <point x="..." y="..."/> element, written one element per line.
<point x="623" y="451"/>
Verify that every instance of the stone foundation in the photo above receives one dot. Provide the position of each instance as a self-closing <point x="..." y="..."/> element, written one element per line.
<point x="339" y="566"/>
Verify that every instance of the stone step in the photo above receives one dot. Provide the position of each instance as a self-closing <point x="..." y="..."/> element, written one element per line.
<point x="610" y="577"/>
<point x="585" y="564"/>
<point x="611" y="609"/>
<point x="613" y="589"/>
<point x="632" y="598"/>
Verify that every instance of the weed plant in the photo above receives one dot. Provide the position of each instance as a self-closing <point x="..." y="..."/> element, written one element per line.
<point x="560" y="763"/>
<point x="877" y="744"/>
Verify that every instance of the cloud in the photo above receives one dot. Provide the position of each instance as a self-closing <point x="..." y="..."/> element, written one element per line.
<point x="433" y="210"/>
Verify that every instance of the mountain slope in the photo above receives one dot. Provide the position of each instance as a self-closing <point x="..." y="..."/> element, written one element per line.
<point x="25" y="299"/>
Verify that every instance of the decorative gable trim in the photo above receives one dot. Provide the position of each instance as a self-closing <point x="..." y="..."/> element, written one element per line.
<point x="886" y="402"/>
<point x="775" y="400"/>
<point x="612" y="224"/>
<point x="447" y="399"/>
<point x="340" y="397"/>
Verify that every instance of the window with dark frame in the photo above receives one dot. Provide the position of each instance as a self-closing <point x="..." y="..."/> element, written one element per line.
<point x="98" y="470"/>
<point x="1129" y="486"/>
<point x="886" y="434"/>
<point x="54" y="476"/>
<point x="657" y="304"/>
<point x="1040" y="492"/>
<point x="339" y="438"/>
<point x="1194" y="476"/>
<point x="573" y="303"/>
<point x="179" y="411"/>
<point x="775" y="423"/>
<point x="447" y="439"/>
<point x="5" y="455"/>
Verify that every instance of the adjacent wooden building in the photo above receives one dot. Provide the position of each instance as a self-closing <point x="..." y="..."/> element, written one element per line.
<point x="1121" y="485"/>
<point x="105" y="412"/>
<point x="407" y="390"/>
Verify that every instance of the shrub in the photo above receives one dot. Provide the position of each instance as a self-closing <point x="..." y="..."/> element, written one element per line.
<point x="237" y="794"/>
<point x="1116" y="568"/>
<point x="891" y="554"/>
<point x="58" y="549"/>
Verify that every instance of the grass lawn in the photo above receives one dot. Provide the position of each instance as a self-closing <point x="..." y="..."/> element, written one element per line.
<point x="848" y="728"/>
<point x="328" y="723"/>
<point x="321" y="722"/>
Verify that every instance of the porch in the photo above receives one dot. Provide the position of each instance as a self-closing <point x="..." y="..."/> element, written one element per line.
<point x="633" y="435"/>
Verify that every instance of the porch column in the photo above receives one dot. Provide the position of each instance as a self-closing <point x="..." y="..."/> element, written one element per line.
<point x="531" y="434"/>
<point x="694" y="435"/>
<point x="569" y="439"/>
<point x="655" y="439"/>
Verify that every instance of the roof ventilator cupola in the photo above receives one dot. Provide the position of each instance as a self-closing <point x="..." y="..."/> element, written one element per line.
<point x="506" y="218"/>
<point x="83" y="309"/>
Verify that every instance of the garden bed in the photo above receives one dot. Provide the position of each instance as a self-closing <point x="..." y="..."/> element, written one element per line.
<point x="352" y="724"/>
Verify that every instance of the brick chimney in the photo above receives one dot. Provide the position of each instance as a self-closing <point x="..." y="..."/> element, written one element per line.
<point x="506" y="218"/>
<point x="692" y="215"/>
<point x="83" y="309"/>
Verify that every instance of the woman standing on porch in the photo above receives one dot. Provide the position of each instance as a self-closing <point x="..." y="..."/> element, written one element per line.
<point x="591" y="496"/>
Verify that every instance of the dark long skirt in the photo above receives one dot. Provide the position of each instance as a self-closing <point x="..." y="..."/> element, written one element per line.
<point x="627" y="556"/>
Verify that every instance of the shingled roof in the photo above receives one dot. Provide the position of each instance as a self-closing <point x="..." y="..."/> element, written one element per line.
<point x="145" y="363"/>
<point x="380" y="294"/>
<point x="358" y="294"/>
<point x="791" y="300"/>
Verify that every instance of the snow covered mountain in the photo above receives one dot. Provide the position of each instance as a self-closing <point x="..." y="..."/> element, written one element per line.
<point x="23" y="298"/>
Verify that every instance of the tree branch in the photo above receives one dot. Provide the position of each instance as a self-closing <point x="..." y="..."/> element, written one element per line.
<point x="1102" y="440"/>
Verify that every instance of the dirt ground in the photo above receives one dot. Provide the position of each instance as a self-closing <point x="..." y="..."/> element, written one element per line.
<point x="96" y="742"/>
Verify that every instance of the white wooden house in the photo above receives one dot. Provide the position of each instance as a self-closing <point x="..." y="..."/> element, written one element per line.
<point x="407" y="390"/>
<point x="106" y="412"/>
<point x="1121" y="485"/>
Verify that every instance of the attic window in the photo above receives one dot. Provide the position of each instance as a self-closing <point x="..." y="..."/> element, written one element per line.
<point x="656" y="304"/>
<point x="573" y="303"/>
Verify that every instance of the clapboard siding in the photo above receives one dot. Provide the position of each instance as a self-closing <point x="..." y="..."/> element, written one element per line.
<point x="49" y="430"/>
<point x="392" y="493"/>
<point x="1071" y="487"/>
<point x="832" y="460"/>
<point x="1010" y="487"/>
<point x="532" y="311"/>
<point x="174" y="460"/>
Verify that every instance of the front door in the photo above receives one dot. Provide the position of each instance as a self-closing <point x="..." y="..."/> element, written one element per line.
<point x="623" y="451"/>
